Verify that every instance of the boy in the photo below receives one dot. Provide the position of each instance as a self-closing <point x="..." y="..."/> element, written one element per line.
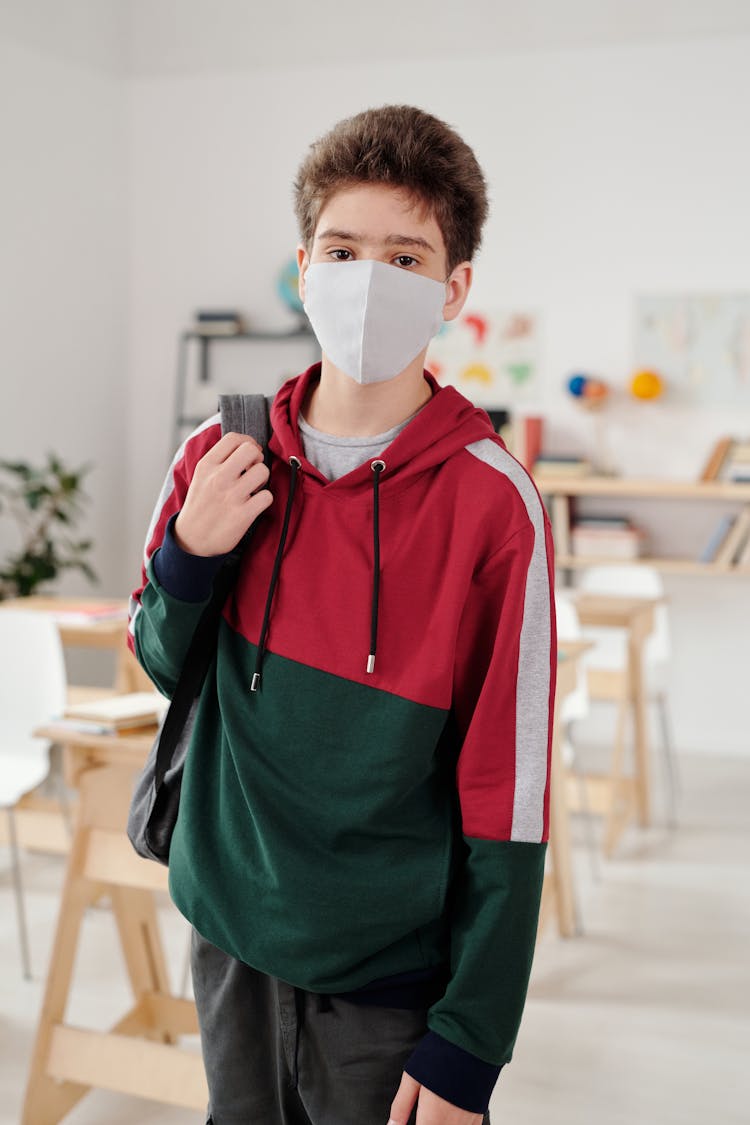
<point x="361" y="838"/>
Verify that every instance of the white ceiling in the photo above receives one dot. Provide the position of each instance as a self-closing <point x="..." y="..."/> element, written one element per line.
<point x="172" y="37"/>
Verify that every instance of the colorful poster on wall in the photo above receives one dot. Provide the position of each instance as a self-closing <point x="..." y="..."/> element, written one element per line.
<point x="491" y="357"/>
<point x="700" y="344"/>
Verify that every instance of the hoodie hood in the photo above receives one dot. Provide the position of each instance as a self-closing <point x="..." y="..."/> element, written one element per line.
<point x="444" y="425"/>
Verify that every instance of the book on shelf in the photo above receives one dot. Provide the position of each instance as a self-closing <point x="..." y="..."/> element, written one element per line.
<point x="734" y="541"/>
<point x="527" y="439"/>
<point x="743" y="557"/>
<point x="217" y="328"/>
<point x="741" y="452"/>
<point x="729" y="461"/>
<point x="717" y="539"/>
<point x="88" y="613"/>
<point x="548" y="464"/>
<point x="603" y="522"/>
<point x="607" y="542"/>
<point x="737" y="465"/>
<point x="221" y="322"/>
<point x="117" y="712"/>
<point x="716" y="459"/>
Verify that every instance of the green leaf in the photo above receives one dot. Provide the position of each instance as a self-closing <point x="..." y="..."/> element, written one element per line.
<point x="20" y="468"/>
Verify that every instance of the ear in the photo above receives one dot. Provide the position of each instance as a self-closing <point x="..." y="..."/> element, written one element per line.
<point x="303" y="261"/>
<point x="459" y="284"/>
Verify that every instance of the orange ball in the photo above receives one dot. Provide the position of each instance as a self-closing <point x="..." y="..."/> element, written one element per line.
<point x="595" y="388"/>
<point x="646" y="384"/>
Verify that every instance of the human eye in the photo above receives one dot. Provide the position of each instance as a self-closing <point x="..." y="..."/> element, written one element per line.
<point x="340" y="255"/>
<point x="406" y="261"/>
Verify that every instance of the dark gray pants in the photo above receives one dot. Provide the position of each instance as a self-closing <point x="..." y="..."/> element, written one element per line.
<point x="277" y="1055"/>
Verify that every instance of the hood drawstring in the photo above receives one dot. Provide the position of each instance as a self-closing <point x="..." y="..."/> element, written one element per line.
<point x="296" y="465"/>
<point x="377" y="468"/>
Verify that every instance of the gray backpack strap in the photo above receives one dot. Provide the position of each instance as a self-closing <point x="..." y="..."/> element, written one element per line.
<point x="246" y="414"/>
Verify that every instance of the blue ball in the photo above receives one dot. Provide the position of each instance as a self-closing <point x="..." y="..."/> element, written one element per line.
<point x="577" y="384"/>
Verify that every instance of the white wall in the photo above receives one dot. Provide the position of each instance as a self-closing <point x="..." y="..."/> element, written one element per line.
<point x="148" y="153"/>
<point x="63" y="292"/>
<point x="613" y="170"/>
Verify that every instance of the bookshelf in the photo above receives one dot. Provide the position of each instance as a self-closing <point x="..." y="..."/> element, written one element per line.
<point x="205" y="343"/>
<point x="560" y="494"/>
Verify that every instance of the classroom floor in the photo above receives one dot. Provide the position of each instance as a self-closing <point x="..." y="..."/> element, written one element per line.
<point x="643" y="1020"/>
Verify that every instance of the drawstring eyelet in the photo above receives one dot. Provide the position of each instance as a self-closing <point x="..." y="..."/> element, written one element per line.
<point x="377" y="466"/>
<point x="295" y="462"/>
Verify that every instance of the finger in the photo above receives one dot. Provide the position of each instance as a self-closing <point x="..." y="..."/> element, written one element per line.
<point x="258" y="503"/>
<point x="251" y="480"/>
<point x="227" y="445"/>
<point x="405" y="1100"/>
<point x="241" y="458"/>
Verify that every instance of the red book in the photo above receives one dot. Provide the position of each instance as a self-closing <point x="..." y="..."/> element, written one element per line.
<point x="528" y="440"/>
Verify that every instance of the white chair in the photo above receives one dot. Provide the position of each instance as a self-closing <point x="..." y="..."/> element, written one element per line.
<point x="637" y="580"/>
<point x="576" y="704"/>
<point x="574" y="707"/>
<point x="32" y="691"/>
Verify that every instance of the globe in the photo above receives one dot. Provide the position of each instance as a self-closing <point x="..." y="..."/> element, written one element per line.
<point x="286" y="286"/>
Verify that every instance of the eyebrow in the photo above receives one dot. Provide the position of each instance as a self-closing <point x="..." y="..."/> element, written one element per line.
<point x="389" y="240"/>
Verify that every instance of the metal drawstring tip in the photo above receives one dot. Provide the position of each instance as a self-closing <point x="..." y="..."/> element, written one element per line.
<point x="371" y="662"/>
<point x="256" y="681"/>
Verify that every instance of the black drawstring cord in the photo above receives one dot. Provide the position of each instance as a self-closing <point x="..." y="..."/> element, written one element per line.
<point x="296" y="465"/>
<point x="377" y="468"/>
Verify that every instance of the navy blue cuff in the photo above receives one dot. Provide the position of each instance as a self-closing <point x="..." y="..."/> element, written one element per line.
<point x="453" y="1073"/>
<point x="189" y="578"/>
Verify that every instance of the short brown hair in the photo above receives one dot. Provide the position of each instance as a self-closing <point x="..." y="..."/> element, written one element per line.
<point x="407" y="148"/>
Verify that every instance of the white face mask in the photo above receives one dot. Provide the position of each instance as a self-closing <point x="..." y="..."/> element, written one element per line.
<point x="372" y="319"/>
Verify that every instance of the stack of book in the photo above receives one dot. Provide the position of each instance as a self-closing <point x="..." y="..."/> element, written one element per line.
<point x="73" y="613"/>
<point x="561" y="464"/>
<point x="221" y="322"/>
<point x="729" y="544"/>
<point x="606" y="537"/>
<point x="117" y="713"/>
<point x="738" y="462"/>
<point x="729" y="460"/>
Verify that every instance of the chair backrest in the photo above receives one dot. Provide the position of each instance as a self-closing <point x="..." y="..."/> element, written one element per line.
<point x="637" y="580"/>
<point x="32" y="678"/>
<point x="576" y="704"/>
<point x="568" y="624"/>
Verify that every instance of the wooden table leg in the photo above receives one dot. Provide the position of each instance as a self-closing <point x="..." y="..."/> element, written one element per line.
<point x="129" y="676"/>
<point x="638" y="635"/>
<point x="560" y="851"/>
<point x="69" y="1061"/>
<point x="47" y="1100"/>
<point x="559" y="883"/>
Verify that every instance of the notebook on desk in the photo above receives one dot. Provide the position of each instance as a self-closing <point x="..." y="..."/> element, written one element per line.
<point x="117" y="712"/>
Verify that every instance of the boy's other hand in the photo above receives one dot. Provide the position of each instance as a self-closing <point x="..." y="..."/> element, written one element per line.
<point x="226" y="496"/>
<point x="431" y="1108"/>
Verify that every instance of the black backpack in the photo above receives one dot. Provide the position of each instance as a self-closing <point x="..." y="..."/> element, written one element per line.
<point x="156" y="799"/>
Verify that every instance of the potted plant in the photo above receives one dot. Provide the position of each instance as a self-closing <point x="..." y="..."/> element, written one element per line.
<point x="46" y="503"/>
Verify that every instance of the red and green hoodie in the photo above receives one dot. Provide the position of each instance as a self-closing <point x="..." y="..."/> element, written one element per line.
<point x="346" y="829"/>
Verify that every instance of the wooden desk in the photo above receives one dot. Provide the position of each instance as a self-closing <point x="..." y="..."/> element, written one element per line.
<point x="138" y="1055"/>
<point x="41" y="823"/>
<point x="559" y="891"/>
<point x="109" y="634"/>
<point x="619" y="797"/>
